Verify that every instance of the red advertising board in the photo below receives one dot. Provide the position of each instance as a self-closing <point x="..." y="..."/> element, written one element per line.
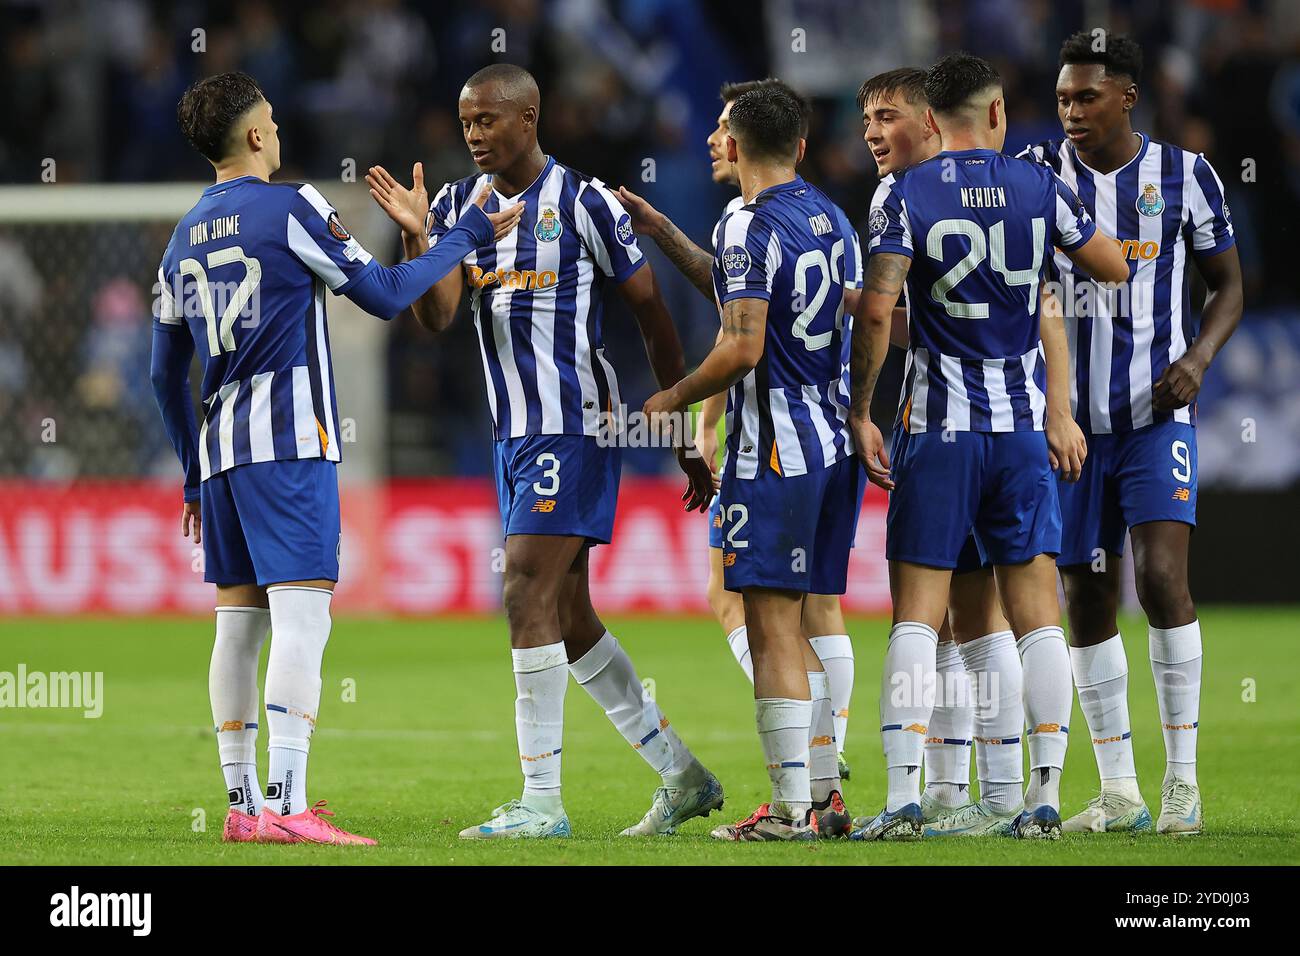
<point x="409" y="547"/>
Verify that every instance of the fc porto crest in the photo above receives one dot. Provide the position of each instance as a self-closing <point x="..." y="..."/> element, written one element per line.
<point x="1150" y="203"/>
<point x="548" y="226"/>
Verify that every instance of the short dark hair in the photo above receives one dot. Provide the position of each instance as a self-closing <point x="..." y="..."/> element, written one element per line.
<point x="515" y="81"/>
<point x="769" y="121"/>
<point x="907" y="80"/>
<point x="955" y="78"/>
<point x="1118" y="54"/>
<point x="731" y="92"/>
<point x="209" y="109"/>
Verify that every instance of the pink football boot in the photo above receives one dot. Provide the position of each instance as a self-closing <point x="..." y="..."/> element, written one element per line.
<point x="239" y="827"/>
<point x="310" y="826"/>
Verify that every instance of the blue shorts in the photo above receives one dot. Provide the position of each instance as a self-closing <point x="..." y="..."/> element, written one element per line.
<point x="272" y="521"/>
<point x="557" y="484"/>
<point x="715" y="523"/>
<point x="789" y="532"/>
<point x="969" y="558"/>
<point x="996" y="485"/>
<point x="1128" y="478"/>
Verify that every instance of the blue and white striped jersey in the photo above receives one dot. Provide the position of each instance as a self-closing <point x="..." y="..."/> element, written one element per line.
<point x="978" y="227"/>
<point x="245" y="274"/>
<point x="792" y="247"/>
<point x="536" y="297"/>
<point x="1161" y="202"/>
<point x="852" y="280"/>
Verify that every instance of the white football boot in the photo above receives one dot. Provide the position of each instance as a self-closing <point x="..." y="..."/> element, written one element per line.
<point x="1110" y="812"/>
<point x="974" y="819"/>
<point x="673" y="806"/>
<point x="513" y="820"/>
<point x="1180" y="809"/>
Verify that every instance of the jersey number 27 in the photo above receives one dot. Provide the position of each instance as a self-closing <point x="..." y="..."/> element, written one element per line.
<point x="223" y="337"/>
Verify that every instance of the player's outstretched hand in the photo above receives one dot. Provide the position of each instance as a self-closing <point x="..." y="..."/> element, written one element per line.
<point x="646" y="219"/>
<point x="1179" y="383"/>
<point x="706" y="442"/>
<point x="406" y="207"/>
<point x="192" y="521"/>
<point x="1066" y="446"/>
<point x="504" y="220"/>
<point x="871" y="449"/>
<point x="699" y="479"/>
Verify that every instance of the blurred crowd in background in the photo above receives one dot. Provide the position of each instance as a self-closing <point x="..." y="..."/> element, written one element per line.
<point x="95" y="84"/>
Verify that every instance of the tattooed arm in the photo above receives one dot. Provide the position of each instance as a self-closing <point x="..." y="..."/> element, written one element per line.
<point x="691" y="261"/>
<point x="744" y="327"/>
<point x="886" y="272"/>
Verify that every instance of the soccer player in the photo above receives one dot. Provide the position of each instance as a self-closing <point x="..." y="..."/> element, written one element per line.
<point x="1139" y="361"/>
<point x="790" y="479"/>
<point x="822" y="617"/>
<point x="555" y="404"/>
<point x="243" y="280"/>
<point x="975" y="418"/>
<point x="975" y="630"/>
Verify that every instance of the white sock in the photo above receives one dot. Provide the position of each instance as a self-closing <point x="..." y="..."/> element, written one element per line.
<point x="823" y="767"/>
<point x="906" y="699"/>
<point x="1045" y="660"/>
<point x="948" y="739"/>
<point x="300" y="629"/>
<point x="738" y="641"/>
<point x="999" y="718"/>
<point x="1176" y="666"/>
<point x="783" y="730"/>
<point x="835" y="651"/>
<point x="232" y="691"/>
<point x="1101" y="676"/>
<point x="608" y="675"/>
<point x="541" y="677"/>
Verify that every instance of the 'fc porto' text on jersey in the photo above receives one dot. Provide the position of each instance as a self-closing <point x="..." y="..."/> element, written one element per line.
<point x="536" y="296"/>
<point x="1157" y="204"/>
<point x="978" y="227"/>
<point x="794" y="248"/>
<point x="245" y="274"/>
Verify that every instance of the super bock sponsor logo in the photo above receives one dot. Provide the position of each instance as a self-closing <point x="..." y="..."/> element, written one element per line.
<point x="735" y="261"/>
<point x="624" y="230"/>
<point x="877" y="221"/>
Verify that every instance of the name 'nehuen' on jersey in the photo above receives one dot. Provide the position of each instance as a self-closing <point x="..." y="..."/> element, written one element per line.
<point x="979" y="228"/>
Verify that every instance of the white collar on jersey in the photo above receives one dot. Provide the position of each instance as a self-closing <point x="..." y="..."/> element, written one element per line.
<point x="550" y="162"/>
<point x="1144" y="142"/>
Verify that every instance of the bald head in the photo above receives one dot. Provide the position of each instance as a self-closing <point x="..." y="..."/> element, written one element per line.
<point x="506" y="82"/>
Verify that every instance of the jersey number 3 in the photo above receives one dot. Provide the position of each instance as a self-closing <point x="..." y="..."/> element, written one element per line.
<point x="223" y="338"/>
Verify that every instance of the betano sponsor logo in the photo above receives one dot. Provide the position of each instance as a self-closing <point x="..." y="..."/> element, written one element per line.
<point x="513" y="278"/>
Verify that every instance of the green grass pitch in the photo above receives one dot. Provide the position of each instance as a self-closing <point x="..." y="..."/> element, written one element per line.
<point x="428" y="747"/>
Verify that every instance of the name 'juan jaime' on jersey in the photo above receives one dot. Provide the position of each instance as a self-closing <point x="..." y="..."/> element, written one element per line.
<point x="246" y="273"/>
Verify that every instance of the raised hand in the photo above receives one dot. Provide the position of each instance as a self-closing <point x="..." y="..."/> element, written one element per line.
<point x="504" y="220"/>
<point x="406" y="207"/>
<point x="646" y="219"/>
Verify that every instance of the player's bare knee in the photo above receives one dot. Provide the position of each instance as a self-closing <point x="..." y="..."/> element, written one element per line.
<point x="1163" y="593"/>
